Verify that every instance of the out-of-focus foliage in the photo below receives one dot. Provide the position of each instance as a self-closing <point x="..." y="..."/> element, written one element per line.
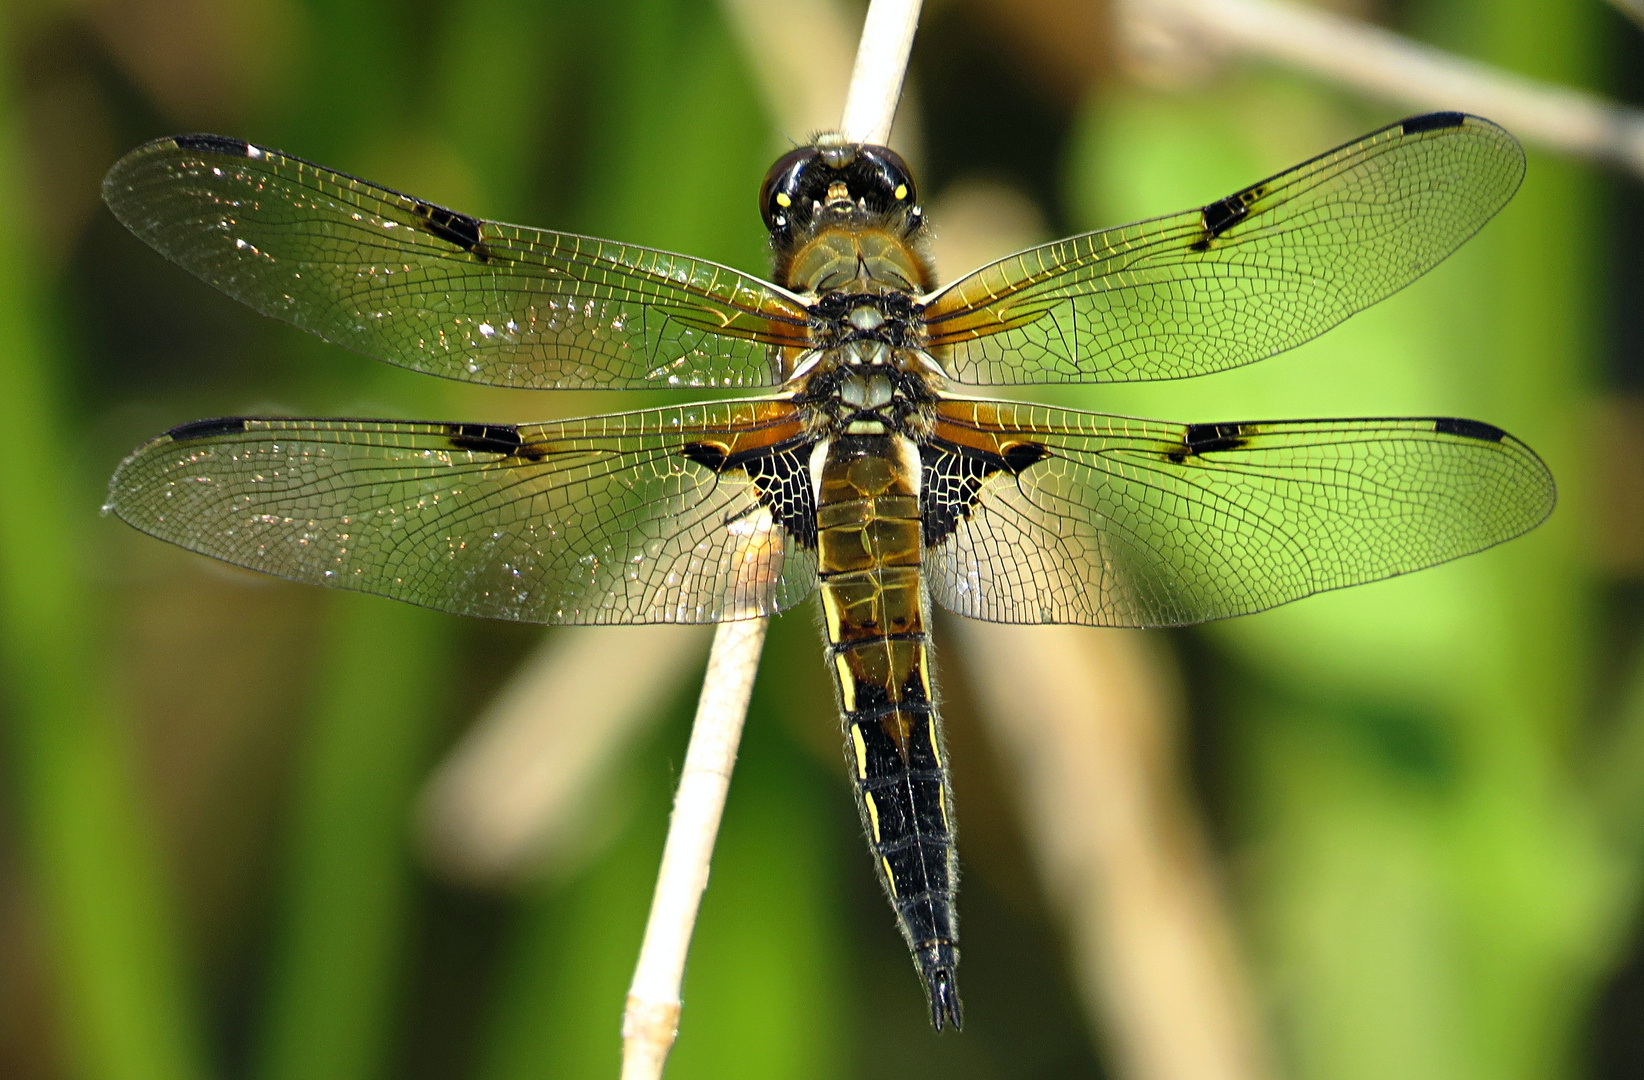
<point x="1426" y="877"/>
<point x="1427" y="792"/>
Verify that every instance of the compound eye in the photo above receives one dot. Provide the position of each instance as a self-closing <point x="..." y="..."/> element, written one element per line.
<point x="776" y="195"/>
<point x="893" y="177"/>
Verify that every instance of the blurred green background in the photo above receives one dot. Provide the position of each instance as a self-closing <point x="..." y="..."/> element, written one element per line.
<point x="1426" y="796"/>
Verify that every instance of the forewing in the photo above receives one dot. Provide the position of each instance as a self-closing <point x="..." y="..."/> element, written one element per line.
<point x="694" y="514"/>
<point x="1243" y="278"/>
<point x="1035" y="514"/>
<point x="427" y="288"/>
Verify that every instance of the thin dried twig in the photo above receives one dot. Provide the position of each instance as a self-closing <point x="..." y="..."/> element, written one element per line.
<point x="651" y="1020"/>
<point x="1386" y="65"/>
<point x="1088" y="722"/>
<point x="881" y="65"/>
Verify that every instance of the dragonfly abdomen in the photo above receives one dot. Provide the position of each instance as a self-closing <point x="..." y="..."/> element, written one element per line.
<point x="868" y="554"/>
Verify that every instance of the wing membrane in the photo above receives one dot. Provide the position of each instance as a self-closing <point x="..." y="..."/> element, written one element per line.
<point x="1248" y="276"/>
<point x="1052" y="515"/>
<point x="672" y="515"/>
<point x="427" y="288"/>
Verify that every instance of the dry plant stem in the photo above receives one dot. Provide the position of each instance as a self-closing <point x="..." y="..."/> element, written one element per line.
<point x="881" y="65"/>
<point x="651" y="1018"/>
<point x="1385" y="65"/>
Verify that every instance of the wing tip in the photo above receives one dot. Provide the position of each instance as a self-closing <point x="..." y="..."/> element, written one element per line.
<point x="117" y="181"/>
<point x="1451" y="120"/>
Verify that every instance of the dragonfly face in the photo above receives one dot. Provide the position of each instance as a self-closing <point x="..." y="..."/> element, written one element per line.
<point x="845" y="217"/>
<point x="864" y="478"/>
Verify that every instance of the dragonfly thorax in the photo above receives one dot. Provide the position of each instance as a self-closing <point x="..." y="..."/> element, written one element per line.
<point x="867" y="398"/>
<point x="866" y="389"/>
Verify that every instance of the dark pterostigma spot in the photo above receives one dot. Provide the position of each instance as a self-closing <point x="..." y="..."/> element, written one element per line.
<point x="484" y="438"/>
<point x="206" y="429"/>
<point x="1437" y="121"/>
<point x="213" y="144"/>
<point x="1210" y="438"/>
<point x="450" y="226"/>
<point x="1469" y="429"/>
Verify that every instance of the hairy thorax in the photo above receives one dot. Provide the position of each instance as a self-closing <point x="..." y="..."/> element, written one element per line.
<point x="867" y="371"/>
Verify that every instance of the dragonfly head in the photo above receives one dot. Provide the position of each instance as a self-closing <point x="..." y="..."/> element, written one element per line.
<point x="837" y="184"/>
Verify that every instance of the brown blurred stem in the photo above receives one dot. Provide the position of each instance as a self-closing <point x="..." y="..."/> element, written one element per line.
<point x="1382" y="64"/>
<point x="1087" y="721"/>
<point x="1633" y="9"/>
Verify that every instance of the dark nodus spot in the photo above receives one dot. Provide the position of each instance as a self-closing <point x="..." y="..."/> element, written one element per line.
<point x="214" y="144"/>
<point x="450" y="226"/>
<point x="1210" y="438"/>
<point x="484" y="438"/>
<point x="1469" y="429"/>
<point x="1222" y="215"/>
<point x="1438" y="121"/>
<point x="207" y="429"/>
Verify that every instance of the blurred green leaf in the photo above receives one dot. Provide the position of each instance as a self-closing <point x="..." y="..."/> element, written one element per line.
<point x="764" y="988"/>
<point x="1424" y="885"/>
<point x="127" y="1004"/>
<point x="337" y="980"/>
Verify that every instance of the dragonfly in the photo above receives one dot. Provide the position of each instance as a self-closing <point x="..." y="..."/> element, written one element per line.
<point x="862" y="474"/>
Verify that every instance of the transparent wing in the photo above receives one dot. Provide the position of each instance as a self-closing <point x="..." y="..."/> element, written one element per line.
<point x="427" y="288"/>
<point x="1035" y="514"/>
<point x="1248" y="276"/>
<point x="694" y="514"/>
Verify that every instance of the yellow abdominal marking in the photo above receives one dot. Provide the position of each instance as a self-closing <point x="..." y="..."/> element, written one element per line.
<point x="861" y="757"/>
<point x="782" y="199"/>
<point x="890" y="879"/>
<point x="873" y="813"/>
<point x="941" y="804"/>
<point x="901" y="191"/>
<point x="935" y="747"/>
<point x="847" y="682"/>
